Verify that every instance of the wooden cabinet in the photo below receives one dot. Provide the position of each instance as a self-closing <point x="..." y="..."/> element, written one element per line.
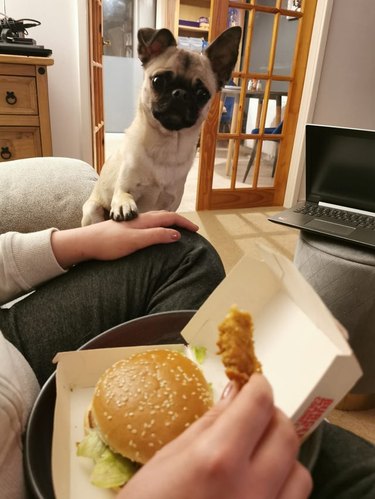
<point x="25" y="129"/>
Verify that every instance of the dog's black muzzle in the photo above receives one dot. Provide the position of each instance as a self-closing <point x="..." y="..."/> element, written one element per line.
<point x="178" y="101"/>
<point x="178" y="112"/>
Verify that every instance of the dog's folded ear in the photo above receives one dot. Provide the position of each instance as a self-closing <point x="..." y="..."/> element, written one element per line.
<point x="223" y="53"/>
<point x="153" y="42"/>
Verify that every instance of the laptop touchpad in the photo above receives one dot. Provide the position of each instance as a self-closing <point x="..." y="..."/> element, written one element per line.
<point x="329" y="227"/>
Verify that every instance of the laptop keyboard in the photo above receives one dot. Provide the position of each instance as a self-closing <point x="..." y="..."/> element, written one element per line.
<point x="364" y="221"/>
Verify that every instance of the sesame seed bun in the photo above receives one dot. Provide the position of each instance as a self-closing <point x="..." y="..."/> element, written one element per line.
<point x="143" y="402"/>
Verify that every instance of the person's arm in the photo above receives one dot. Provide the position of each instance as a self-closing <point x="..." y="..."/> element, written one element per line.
<point x="243" y="448"/>
<point x="27" y="260"/>
<point x="111" y="240"/>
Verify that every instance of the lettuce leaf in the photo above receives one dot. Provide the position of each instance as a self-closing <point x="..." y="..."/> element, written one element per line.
<point x="91" y="445"/>
<point x="110" y="470"/>
<point x="200" y="353"/>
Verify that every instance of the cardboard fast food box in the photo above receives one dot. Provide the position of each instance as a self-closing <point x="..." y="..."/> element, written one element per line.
<point x="301" y="347"/>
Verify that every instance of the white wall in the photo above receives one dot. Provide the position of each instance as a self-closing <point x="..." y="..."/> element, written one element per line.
<point x="64" y="30"/>
<point x="342" y="92"/>
<point x="347" y="82"/>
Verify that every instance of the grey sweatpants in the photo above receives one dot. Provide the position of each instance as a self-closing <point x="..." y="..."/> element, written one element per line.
<point x="95" y="296"/>
<point x="345" y="468"/>
<point x="67" y="311"/>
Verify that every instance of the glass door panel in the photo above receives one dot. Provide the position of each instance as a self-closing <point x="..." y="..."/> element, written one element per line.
<point x="286" y="41"/>
<point x="118" y="27"/>
<point x="223" y="165"/>
<point x="258" y="167"/>
<point x="269" y="3"/>
<point x="261" y="25"/>
<point x="268" y="161"/>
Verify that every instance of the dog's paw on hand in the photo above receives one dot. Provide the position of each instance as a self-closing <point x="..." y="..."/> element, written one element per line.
<point x="121" y="216"/>
<point x="123" y="207"/>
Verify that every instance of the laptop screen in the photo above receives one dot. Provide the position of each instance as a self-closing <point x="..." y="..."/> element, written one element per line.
<point x="340" y="166"/>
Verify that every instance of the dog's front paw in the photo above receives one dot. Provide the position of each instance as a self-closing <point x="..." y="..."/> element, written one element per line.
<point x="123" y="208"/>
<point x="121" y="215"/>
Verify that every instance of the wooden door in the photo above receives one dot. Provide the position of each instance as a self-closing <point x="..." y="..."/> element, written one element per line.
<point x="96" y="81"/>
<point x="247" y="139"/>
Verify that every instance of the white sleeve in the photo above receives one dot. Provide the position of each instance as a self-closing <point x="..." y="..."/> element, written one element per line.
<point x="18" y="390"/>
<point x="26" y="260"/>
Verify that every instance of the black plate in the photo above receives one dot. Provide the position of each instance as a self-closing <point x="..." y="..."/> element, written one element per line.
<point x="162" y="328"/>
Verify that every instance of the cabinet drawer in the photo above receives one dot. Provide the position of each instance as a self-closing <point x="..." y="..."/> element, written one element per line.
<point x="19" y="142"/>
<point x="18" y="95"/>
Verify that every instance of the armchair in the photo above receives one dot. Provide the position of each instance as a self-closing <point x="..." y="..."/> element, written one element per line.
<point x="43" y="192"/>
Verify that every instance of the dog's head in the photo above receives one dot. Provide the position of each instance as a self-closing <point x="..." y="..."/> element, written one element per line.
<point x="179" y="84"/>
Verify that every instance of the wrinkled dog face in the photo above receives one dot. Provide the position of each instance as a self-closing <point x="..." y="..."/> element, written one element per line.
<point x="178" y="100"/>
<point x="178" y="84"/>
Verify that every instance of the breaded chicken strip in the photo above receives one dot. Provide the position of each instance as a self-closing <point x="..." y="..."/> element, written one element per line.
<point x="236" y="346"/>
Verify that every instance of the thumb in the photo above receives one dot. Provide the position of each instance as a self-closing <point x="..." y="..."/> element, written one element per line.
<point x="229" y="393"/>
<point x="205" y="421"/>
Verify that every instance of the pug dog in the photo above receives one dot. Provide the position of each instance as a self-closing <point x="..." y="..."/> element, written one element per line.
<point x="149" y="170"/>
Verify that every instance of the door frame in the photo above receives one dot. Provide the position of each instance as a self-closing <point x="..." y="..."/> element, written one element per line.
<point x="295" y="187"/>
<point x="95" y="61"/>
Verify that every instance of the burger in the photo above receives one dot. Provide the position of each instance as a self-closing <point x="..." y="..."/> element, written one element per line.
<point x="140" y="404"/>
<point x="146" y="400"/>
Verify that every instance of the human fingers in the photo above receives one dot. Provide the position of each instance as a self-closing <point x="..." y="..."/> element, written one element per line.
<point x="275" y="455"/>
<point x="162" y="219"/>
<point x="151" y="236"/>
<point x="246" y="418"/>
<point x="298" y="485"/>
<point x="193" y="433"/>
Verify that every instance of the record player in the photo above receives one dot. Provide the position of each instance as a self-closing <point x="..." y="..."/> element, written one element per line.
<point x="13" y="40"/>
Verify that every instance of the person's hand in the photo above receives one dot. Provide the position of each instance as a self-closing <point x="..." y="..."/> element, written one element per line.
<point x="110" y="240"/>
<point x="243" y="448"/>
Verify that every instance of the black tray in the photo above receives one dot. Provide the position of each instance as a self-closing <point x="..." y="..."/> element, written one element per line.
<point x="162" y="328"/>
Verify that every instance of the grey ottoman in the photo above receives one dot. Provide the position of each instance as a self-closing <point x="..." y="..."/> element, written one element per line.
<point x="344" y="277"/>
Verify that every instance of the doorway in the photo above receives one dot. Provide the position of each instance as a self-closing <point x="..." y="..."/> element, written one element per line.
<point x="248" y="137"/>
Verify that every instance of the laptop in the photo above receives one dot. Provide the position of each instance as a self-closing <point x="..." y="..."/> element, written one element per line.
<point x="340" y="186"/>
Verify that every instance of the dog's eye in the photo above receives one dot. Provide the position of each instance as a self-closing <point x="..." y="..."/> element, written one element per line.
<point x="158" y="82"/>
<point x="202" y="94"/>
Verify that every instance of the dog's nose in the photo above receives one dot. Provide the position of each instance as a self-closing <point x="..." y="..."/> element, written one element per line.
<point x="179" y="93"/>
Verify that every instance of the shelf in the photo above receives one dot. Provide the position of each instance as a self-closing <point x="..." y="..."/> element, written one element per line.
<point x="192" y="29"/>
<point x="197" y="3"/>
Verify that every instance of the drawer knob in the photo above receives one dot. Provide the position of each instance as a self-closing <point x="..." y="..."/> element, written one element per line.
<point x="11" y="98"/>
<point x="5" y="153"/>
